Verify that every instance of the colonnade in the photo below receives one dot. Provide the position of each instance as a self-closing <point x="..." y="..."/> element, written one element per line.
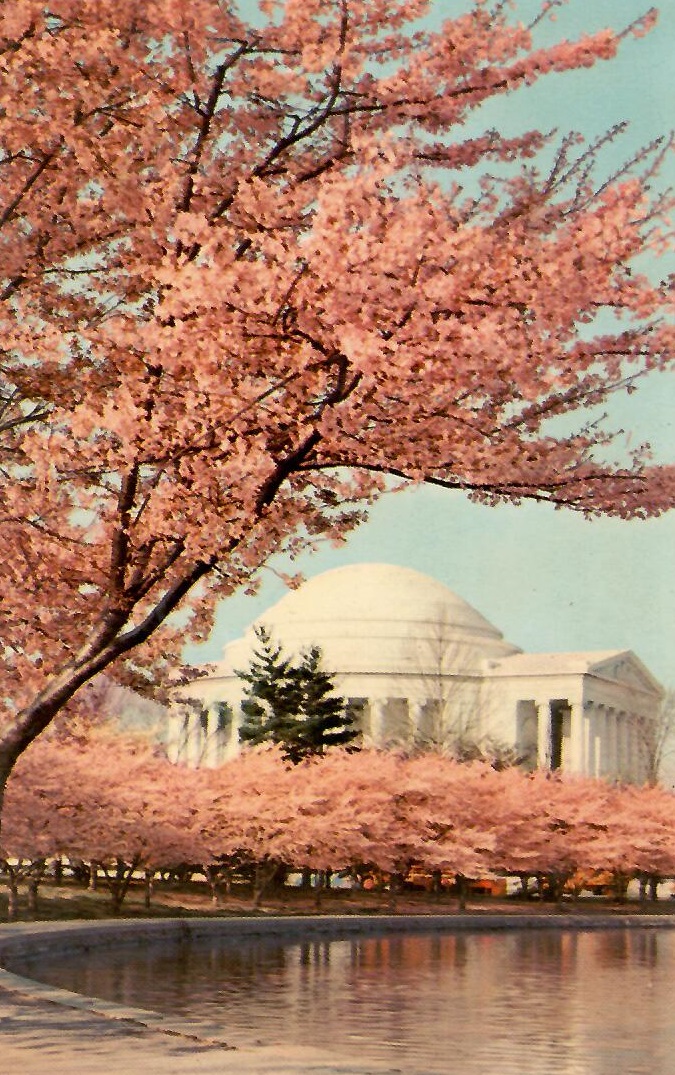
<point x="394" y="720"/>
<point x="387" y="720"/>
<point x="618" y="745"/>
<point x="201" y="737"/>
<point x="597" y="739"/>
<point x="589" y="738"/>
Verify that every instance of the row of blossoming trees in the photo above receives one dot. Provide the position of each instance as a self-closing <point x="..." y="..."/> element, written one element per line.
<point x="120" y="806"/>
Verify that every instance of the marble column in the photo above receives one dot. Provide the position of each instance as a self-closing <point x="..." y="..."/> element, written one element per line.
<point x="175" y="734"/>
<point x="192" y="739"/>
<point x="601" y="740"/>
<point x="232" y="746"/>
<point x="416" y="720"/>
<point x="612" y="744"/>
<point x="543" y="734"/>
<point x="621" y="748"/>
<point x="633" y="765"/>
<point x="577" y="745"/>
<point x="590" y="754"/>
<point x="212" y="744"/>
<point x="597" y="726"/>
<point x="377" y="721"/>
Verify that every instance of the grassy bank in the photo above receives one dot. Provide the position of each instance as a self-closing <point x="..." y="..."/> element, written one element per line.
<point x="70" y="900"/>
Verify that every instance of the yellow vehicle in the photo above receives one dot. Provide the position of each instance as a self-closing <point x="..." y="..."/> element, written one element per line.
<point x="599" y="882"/>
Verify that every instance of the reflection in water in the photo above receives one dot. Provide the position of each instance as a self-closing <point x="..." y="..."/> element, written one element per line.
<point x="519" y="1003"/>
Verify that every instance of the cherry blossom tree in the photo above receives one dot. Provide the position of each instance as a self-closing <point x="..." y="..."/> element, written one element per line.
<point x="361" y="812"/>
<point x="637" y="837"/>
<point x="113" y="803"/>
<point x="551" y="826"/>
<point x="246" y="811"/>
<point x="333" y="812"/>
<point x="38" y="817"/>
<point x="109" y="801"/>
<point x="252" y="268"/>
<point x="463" y="818"/>
<point x="370" y="811"/>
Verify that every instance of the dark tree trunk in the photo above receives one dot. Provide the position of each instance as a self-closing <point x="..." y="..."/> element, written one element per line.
<point x="12" y="897"/>
<point x="37" y="872"/>
<point x="148" y="888"/>
<point x="33" y="885"/>
<point x="212" y="874"/>
<point x="5" y="769"/>
<point x="118" y="881"/>
<point x="461" y="885"/>
<point x="278" y="878"/>
<point x="436" y="882"/>
<point x="395" y="886"/>
<point x="226" y="881"/>
<point x="265" y="874"/>
<point x="620" y="885"/>
<point x="320" y="886"/>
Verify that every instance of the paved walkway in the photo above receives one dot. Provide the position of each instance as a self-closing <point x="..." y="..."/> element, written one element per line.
<point x="37" y="1038"/>
<point x="48" y="1031"/>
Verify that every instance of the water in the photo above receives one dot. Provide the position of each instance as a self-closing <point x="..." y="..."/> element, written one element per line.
<point x="520" y="1003"/>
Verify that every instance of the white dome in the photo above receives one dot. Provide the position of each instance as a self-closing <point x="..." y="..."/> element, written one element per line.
<point x="377" y="618"/>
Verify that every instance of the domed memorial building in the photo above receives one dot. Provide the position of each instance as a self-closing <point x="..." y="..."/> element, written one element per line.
<point x="423" y="669"/>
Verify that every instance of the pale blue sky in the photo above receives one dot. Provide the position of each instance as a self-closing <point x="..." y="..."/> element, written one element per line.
<point x="550" y="580"/>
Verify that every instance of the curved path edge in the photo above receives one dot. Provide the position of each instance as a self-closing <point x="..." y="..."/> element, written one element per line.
<point x="73" y="1023"/>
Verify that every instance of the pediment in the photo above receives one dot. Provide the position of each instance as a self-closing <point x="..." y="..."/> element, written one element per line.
<point x="625" y="668"/>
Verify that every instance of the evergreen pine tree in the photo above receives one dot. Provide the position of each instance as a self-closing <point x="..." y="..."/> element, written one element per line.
<point x="292" y="703"/>
<point x="273" y="697"/>
<point x="325" y="717"/>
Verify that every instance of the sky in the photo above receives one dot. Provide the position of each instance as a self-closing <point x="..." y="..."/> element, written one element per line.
<point x="549" y="580"/>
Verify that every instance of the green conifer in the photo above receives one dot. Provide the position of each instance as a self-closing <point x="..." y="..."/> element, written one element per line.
<point x="292" y="703"/>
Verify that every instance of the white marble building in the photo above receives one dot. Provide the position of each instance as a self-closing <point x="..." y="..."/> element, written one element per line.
<point x="422" y="667"/>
